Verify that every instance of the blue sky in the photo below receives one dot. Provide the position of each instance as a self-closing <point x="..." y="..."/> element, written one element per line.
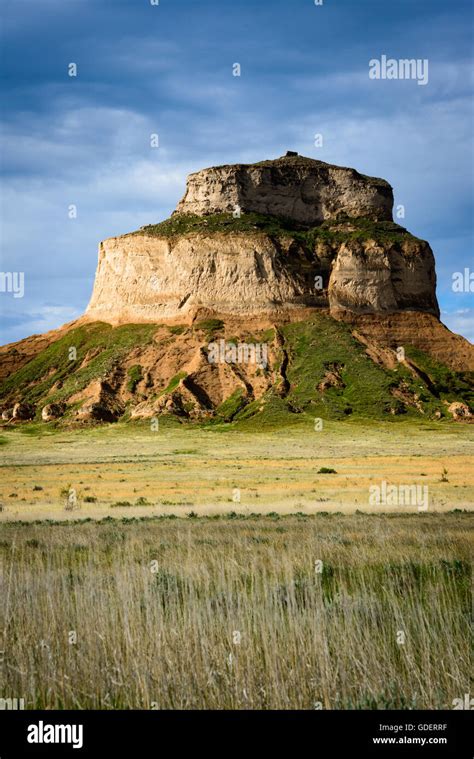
<point x="167" y="69"/>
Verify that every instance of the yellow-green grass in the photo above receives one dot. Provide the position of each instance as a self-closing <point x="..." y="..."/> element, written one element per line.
<point x="179" y="469"/>
<point x="333" y="612"/>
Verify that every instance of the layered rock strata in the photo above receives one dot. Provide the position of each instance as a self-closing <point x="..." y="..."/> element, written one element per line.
<point x="294" y="187"/>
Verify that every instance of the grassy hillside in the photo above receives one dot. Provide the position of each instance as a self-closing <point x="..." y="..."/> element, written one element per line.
<point x="446" y="382"/>
<point x="314" y="347"/>
<point x="99" y="344"/>
<point x="305" y="353"/>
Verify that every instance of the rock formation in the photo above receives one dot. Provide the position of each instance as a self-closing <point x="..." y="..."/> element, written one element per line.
<point x="293" y="187"/>
<point x="305" y="234"/>
<point x="293" y="253"/>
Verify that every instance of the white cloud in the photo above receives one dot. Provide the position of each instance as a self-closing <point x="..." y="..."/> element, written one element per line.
<point x="461" y="322"/>
<point x="100" y="159"/>
<point x="38" y="321"/>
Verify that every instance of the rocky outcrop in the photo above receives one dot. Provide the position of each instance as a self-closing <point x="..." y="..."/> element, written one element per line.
<point x="100" y="402"/>
<point x="307" y="234"/>
<point x="374" y="276"/>
<point x="332" y="377"/>
<point x="304" y="190"/>
<point x="52" y="411"/>
<point x="148" y="278"/>
<point x="420" y="330"/>
<point x="98" y="412"/>
<point x="460" y="412"/>
<point x="144" y="278"/>
<point x="23" y="411"/>
<point x="250" y="251"/>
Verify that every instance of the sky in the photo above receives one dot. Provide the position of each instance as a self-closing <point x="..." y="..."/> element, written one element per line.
<point x="168" y="69"/>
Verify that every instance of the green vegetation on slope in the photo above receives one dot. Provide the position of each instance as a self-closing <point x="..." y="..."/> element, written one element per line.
<point x="448" y="384"/>
<point x="313" y="348"/>
<point x="56" y="366"/>
<point x="209" y="326"/>
<point x="231" y="406"/>
<point x="307" y="352"/>
<point x="174" y="382"/>
<point x="331" y="231"/>
<point x="134" y="377"/>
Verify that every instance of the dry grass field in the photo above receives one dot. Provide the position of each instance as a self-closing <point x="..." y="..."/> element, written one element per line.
<point x="180" y="469"/>
<point x="299" y="595"/>
<point x="335" y="612"/>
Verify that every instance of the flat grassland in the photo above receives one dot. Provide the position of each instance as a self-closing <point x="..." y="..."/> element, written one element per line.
<point x="127" y="470"/>
<point x="351" y="611"/>
<point x="221" y="569"/>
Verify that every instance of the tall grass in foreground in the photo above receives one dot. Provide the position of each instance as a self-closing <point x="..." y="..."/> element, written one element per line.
<point x="221" y="614"/>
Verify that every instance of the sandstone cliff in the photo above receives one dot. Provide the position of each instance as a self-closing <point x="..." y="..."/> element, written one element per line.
<point x="294" y="255"/>
<point x="267" y="238"/>
<point x="376" y="276"/>
<point x="153" y="276"/>
<point x="297" y="188"/>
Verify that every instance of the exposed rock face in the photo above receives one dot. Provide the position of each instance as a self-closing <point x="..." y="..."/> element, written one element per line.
<point x="297" y="188"/>
<point x="23" y="411"/>
<point x="97" y="412"/>
<point x="460" y="412"/>
<point x="312" y="241"/>
<point x="144" y="278"/>
<point x="52" y="411"/>
<point x="332" y="378"/>
<point x="364" y="262"/>
<point x="375" y="277"/>
<point x="100" y="402"/>
<point x="421" y="330"/>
